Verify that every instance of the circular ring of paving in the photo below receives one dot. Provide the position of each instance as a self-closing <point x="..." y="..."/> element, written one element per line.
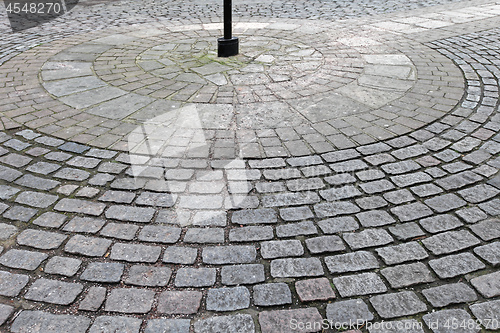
<point x="361" y="88"/>
<point x="395" y="226"/>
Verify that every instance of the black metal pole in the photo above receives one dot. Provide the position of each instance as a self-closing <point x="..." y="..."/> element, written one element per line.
<point x="228" y="19"/>
<point x="229" y="45"/>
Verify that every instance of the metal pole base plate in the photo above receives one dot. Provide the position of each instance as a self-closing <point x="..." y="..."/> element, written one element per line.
<point x="227" y="47"/>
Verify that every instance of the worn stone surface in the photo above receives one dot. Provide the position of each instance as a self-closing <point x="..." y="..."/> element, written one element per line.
<point x="129" y="300"/>
<point x="132" y="159"/>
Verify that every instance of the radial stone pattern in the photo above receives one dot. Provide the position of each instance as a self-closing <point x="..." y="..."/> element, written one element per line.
<point x="333" y="174"/>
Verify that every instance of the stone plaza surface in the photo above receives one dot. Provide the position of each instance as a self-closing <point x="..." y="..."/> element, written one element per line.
<point x="340" y="174"/>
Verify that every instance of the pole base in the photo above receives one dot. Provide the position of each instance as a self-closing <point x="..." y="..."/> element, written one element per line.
<point x="227" y="47"/>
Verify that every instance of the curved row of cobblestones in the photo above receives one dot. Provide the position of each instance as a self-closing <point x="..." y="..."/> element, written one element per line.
<point x="405" y="229"/>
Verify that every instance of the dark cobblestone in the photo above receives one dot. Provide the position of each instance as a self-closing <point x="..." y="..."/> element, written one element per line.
<point x="135" y="252"/>
<point x="450" y="241"/>
<point x="103" y="272"/>
<point x="54" y="292"/>
<point x="129" y="300"/>
<point x="179" y="302"/>
<point x="394" y="305"/>
<point x="361" y="284"/>
<point x="453" y="293"/>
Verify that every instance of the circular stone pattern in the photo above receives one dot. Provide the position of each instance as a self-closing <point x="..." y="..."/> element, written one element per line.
<point x="329" y="88"/>
<point x="262" y="60"/>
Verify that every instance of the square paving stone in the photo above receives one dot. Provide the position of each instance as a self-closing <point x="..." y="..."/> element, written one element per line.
<point x="375" y="218"/>
<point x="351" y="262"/>
<point x="360" y="284"/>
<point x="294" y="229"/>
<point x="453" y="293"/>
<point x="406" y="231"/>
<point x="195" y="277"/>
<point x="135" y="252"/>
<point x="118" y="197"/>
<point x="479" y="193"/>
<point x="296" y="267"/>
<point x="487" y="230"/>
<point x="54" y="292"/>
<point x="254" y="216"/>
<point x="108" y="272"/>
<point x="241" y="323"/>
<point x="455" y="265"/>
<point x="314" y="290"/>
<point x="490" y="253"/>
<point x="129" y="300"/>
<point x="407" y="275"/>
<point x="159" y="234"/>
<point x="204" y="235"/>
<point x="488" y="285"/>
<point x="40" y="239"/>
<point x="367" y="238"/>
<point x="148" y="276"/>
<point x="348" y="313"/>
<point x="338" y="224"/>
<point x="411" y="211"/>
<point x="371" y="202"/>
<point x="80" y="206"/>
<point x="242" y="274"/>
<point x="296" y="213"/>
<point x="156" y="199"/>
<point x="9" y="174"/>
<point x="7" y="231"/>
<point x="22" y="259"/>
<point x="168" y="325"/>
<point x="270" y="294"/>
<point x="50" y="220"/>
<point x="251" y="233"/>
<point x="210" y="218"/>
<point x="180" y="255"/>
<point x="399" y="197"/>
<point x="450" y="241"/>
<point x="488" y="313"/>
<point x="290" y="199"/>
<point x="72" y="174"/>
<point x="36" y="199"/>
<point x="179" y="302"/>
<point x="38" y="321"/>
<point x="38" y="183"/>
<point x="283" y="248"/>
<point x="5" y="312"/>
<point x="401" y="253"/>
<point x="19" y="213"/>
<point x="232" y="254"/>
<point x="339" y="193"/>
<point x="332" y="209"/>
<point x="6" y="192"/>
<point x="281" y="321"/>
<point x="15" y="160"/>
<point x="443" y="321"/>
<point x="324" y="244"/>
<point x="439" y="223"/>
<point x="115" y="324"/>
<point x="12" y="284"/>
<point x="88" y="246"/>
<point x="119" y="231"/>
<point x="62" y="266"/>
<point x="445" y="203"/>
<point x="394" y="305"/>
<point x="93" y="300"/>
<point x="228" y="299"/>
<point x="84" y="224"/>
<point x="130" y="214"/>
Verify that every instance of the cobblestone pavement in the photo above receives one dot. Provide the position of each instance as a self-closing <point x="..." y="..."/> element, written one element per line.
<point x="336" y="171"/>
